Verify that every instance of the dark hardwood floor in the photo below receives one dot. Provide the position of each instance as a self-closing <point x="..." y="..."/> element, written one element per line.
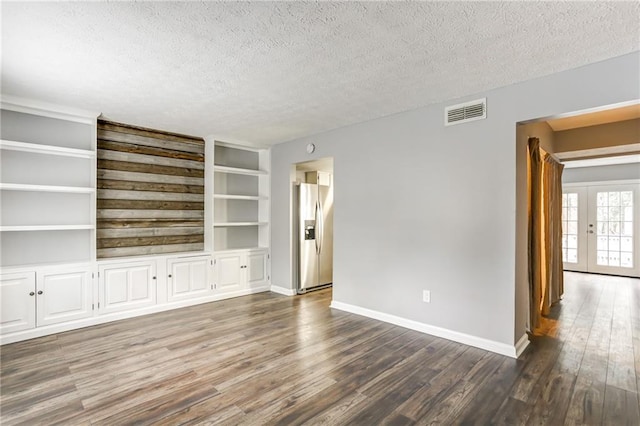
<point x="270" y="359"/>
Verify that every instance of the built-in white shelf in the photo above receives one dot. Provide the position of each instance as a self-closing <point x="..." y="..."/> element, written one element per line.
<point x="46" y="149"/>
<point x="229" y="224"/>
<point x="241" y="249"/>
<point x="239" y="197"/>
<point x="48" y="184"/>
<point x="45" y="188"/>
<point x="239" y="171"/>
<point x="44" y="228"/>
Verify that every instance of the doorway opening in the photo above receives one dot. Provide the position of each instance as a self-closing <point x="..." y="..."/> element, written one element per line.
<point x="312" y="209"/>
<point x="585" y="143"/>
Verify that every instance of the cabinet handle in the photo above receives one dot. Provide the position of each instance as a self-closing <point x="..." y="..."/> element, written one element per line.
<point x="169" y="275"/>
<point x="32" y="294"/>
<point x="39" y="291"/>
<point x="153" y="278"/>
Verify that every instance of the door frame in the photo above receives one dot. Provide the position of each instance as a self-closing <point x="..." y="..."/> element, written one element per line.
<point x="635" y="272"/>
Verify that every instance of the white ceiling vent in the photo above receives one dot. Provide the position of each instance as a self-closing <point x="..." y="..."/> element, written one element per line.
<point x="463" y="113"/>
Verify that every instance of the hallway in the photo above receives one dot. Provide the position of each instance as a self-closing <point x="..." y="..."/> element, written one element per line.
<point x="589" y="359"/>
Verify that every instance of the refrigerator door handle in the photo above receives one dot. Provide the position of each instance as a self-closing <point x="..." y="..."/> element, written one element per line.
<point x="316" y="230"/>
<point x="320" y="227"/>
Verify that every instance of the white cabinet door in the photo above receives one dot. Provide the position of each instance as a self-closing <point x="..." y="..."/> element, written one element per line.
<point x="17" y="300"/>
<point x="256" y="266"/>
<point x="229" y="275"/>
<point x="241" y="270"/>
<point x="127" y="286"/>
<point x="63" y="296"/>
<point x="188" y="278"/>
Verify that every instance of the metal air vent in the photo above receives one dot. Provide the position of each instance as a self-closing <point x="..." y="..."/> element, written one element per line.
<point x="468" y="111"/>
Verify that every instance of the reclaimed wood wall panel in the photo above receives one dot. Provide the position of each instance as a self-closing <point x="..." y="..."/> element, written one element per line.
<point x="149" y="186"/>
<point x="150" y="197"/>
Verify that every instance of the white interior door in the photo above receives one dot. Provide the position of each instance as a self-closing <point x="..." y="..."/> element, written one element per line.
<point x="601" y="228"/>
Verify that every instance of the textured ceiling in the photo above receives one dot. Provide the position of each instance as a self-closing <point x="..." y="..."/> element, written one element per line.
<point x="268" y="72"/>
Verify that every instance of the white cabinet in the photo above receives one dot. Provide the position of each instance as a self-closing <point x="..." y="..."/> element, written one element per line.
<point x="228" y="272"/>
<point x="44" y="297"/>
<point x="126" y="286"/>
<point x="241" y="270"/>
<point x="63" y="296"/>
<point x="188" y="278"/>
<point x="18" y="303"/>
<point x="256" y="268"/>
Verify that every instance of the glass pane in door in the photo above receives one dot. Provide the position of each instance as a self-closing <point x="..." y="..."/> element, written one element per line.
<point x="614" y="225"/>
<point x="570" y="227"/>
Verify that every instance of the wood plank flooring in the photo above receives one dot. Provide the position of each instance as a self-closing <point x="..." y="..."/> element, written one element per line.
<point x="271" y="359"/>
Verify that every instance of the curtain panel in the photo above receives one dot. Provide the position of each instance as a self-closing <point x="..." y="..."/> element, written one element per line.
<point x="546" y="284"/>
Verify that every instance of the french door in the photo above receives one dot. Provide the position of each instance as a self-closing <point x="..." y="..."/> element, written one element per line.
<point x="601" y="229"/>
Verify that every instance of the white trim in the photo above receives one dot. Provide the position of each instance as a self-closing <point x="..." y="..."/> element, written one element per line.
<point x="600" y="183"/>
<point x="239" y="197"/>
<point x="152" y="257"/>
<point x="239" y="171"/>
<point x="44" y="228"/>
<point x="110" y="317"/>
<point x="31" y="106"/>
<point x="242" y="250"/>
<point x="283" y="290"/>
<point x="582" y="111"/>
<point x="602" y="161"/>
<point x="237" y="144"/>
<point x="597" y="152"/>
<point x="209" y="187"/>
<point x="46" y="149"/>
<point x="227" y="224"/>
<point x="46" y="188"/>
<point x="522" y="344"/>
<point x="466" y="339"/>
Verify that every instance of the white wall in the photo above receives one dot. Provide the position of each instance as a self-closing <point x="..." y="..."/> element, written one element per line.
<point x="423" y="206"/>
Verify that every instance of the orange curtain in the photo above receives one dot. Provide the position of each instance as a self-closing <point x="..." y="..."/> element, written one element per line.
<point x="546" y="284"/>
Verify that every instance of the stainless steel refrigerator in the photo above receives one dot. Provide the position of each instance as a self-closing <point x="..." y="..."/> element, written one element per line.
<point x="314" y="227"/>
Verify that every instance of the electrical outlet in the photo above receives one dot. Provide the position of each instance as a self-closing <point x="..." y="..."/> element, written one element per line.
<point x="426" y="296"/>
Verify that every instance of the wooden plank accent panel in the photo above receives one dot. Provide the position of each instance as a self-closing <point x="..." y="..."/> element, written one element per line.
<point x="150" y="191"/>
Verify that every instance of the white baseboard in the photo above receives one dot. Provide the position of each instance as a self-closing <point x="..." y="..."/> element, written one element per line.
<point x="522" y="344"/>
<point x="115" y="316"/>
<point x="467" y="339"/>
<point x="283" y="290"/>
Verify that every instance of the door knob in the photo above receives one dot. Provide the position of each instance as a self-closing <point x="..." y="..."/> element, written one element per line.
<point x="32" y="294"/>
<point x="40" y="292"/>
